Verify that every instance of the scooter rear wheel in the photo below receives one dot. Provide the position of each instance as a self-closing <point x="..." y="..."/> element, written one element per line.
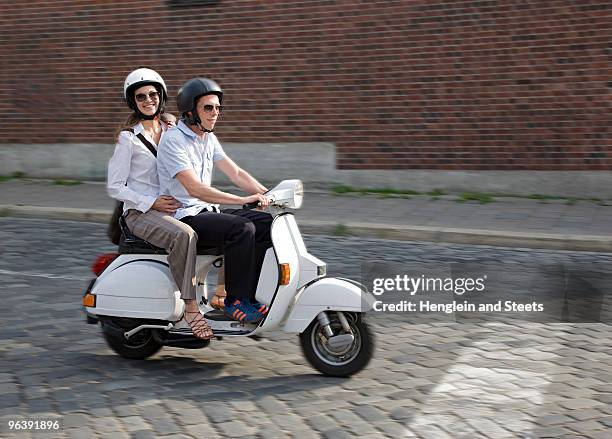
<point x="138" y="347"/>
<point x="332" y="361"/>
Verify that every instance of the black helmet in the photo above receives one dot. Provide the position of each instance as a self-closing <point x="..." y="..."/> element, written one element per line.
<point x="141" y="77"/>
<point x="190" y="92"/>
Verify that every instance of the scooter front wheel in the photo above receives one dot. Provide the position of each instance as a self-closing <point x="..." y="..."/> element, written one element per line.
<point x="340" y="360"/>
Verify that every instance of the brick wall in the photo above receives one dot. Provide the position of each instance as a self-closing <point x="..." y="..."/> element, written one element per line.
<point x="465" y="85"/>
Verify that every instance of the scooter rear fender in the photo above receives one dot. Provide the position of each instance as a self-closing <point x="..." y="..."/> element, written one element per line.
<point x="327" y="294"/>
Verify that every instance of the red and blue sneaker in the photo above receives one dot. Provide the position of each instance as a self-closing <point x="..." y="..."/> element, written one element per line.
<point x="242" y="311"/>
<point x="261" y="308"/>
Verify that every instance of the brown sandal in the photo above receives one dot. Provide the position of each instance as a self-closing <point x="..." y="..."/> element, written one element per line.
<point x="199" y="326"/>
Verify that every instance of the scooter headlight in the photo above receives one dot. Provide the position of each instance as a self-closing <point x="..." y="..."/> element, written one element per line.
<point x="288" y="193"/>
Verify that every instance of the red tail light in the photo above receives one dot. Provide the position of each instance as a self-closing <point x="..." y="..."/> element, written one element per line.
<point x="102" y="262"/>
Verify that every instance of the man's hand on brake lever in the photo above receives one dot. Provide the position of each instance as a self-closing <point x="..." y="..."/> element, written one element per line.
<point x="262" y="199"/>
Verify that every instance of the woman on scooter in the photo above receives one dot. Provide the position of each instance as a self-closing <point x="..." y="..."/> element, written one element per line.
<point x="132" y="178"/>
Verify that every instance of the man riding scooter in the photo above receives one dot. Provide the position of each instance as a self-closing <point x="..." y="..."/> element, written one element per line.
<point x="186" y="156"/>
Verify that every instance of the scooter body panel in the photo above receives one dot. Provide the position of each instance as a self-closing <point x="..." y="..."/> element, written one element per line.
<point x="268" y="278"/>
<point x="289" y="248"/>
<point x="285" y="251"/>
<point x="310" y="266"/>
<point x="137" y="286"/>
<point x="327" y="294"/>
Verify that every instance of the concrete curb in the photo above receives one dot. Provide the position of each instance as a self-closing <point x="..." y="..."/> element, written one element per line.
<point x="501" y="238"/>
<point x="64" y="213"/>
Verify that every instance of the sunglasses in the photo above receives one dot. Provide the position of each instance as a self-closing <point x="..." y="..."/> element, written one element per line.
<point x="208" y="108"/>
<point x="153" y="95"/>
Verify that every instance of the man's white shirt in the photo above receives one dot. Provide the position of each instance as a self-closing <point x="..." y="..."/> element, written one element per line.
<point x="182" y="149"/>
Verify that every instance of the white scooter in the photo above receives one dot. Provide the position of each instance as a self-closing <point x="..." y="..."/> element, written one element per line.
<point x="138" y="304"/>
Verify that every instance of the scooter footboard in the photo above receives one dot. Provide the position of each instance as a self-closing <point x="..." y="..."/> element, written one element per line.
<point x="327" y="294"/>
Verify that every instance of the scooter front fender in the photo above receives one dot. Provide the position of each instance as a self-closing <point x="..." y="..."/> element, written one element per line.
<point x="327" y="294"/>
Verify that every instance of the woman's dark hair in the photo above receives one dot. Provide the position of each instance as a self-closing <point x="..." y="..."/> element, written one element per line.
<point x="129" y="122"/>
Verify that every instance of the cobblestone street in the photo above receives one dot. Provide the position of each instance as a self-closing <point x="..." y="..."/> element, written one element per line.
<point x="438" y="380"/>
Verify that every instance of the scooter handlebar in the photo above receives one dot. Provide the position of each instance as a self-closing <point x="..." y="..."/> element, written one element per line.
<point x="256" y="204"/>
<point x="250" y="206"/>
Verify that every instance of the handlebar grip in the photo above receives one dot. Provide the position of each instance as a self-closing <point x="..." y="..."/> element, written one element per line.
<point x="250" y="206"/>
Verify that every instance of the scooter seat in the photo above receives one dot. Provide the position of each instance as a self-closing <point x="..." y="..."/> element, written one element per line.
<point x="131" y="244"/>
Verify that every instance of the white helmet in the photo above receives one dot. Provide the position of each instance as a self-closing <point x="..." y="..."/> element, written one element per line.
<point x="140" y="77"/>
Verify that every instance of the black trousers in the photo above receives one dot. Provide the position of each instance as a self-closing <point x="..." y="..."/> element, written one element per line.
<point x="244" y="236"/>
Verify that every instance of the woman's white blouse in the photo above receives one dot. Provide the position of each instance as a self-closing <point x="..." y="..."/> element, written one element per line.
<point x="132" y="172"/>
